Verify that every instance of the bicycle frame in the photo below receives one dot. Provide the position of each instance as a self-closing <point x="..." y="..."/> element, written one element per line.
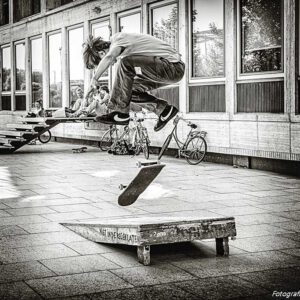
<point x="182" y="145"/>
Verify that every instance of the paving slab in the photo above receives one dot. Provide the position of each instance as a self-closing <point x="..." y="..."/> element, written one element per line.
<point x="23" y="271"/>
<point x="150" y="275"/>
<point x="58" y="264"/>
<point x="224" y="287"/>
<point x="77" y="284"/>
<point x="79" y="264"/>
<point x="157" y="292"/>
<point x="17" y="291"/>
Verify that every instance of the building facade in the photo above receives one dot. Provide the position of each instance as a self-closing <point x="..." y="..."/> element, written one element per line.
<point x="242" y="65"/>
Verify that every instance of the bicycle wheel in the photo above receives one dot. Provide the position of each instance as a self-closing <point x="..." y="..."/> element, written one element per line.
<point x="164" y="146"/>
<point x="195" y="150"/>
<point x="45" y="137"/>
<point x="145" y="147"/>
<point x="107" y="140"/>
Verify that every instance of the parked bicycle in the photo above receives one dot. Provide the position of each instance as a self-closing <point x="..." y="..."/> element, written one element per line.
<point x="133" y="139"/>
<point x="193" y="149"/>
<point x="44" y="138"/>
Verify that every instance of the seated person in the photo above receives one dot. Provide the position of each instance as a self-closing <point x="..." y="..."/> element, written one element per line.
<point x="105" y="96"/>
<point x="76" y="105"/>
<point x="97" y="103"/>
<point x="37" y="110"/>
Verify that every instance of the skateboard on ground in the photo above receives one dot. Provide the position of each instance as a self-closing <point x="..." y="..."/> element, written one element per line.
<point x="79" y="150"/>
<point x="139" y="184"/>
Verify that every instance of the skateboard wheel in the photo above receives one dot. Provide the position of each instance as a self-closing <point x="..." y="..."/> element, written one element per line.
<point x="122" y="187"/>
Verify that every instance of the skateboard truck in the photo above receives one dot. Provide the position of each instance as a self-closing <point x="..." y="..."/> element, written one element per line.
<point x="79" y="150"/>
<point x="140" y="164"/>
<point x="122" y="187"/>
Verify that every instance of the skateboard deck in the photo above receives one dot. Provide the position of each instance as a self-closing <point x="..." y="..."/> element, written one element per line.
<point x="139" y="184"/>
<point x="79" y="150"/>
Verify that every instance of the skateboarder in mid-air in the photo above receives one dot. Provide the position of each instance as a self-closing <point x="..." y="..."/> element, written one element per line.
<point x="145" y="63"/>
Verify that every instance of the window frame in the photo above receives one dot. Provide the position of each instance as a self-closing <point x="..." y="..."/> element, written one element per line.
<point x="6" y="93"/>
<point x="9" y="21"/>
<point x="73" y="27"/>
<point x="48" y="34"/>
<point x="26" y="17"/>
<point x="30" y="66"/>
<point x="256" y="75"/>
<point x="128" y="13"/>
<point x="105" y="22"/>
<point x="19" y="92"/>
<point x="158" y="5"/>
<point x="205" y="80"/>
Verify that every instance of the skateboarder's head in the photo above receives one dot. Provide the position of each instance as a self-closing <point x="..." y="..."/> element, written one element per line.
<point x="93" y="51"/>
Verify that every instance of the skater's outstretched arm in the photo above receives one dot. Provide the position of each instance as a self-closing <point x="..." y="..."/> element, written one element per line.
<point x="107" y="60"/>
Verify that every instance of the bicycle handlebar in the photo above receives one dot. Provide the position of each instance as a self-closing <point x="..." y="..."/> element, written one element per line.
<point x="189" y="123"/>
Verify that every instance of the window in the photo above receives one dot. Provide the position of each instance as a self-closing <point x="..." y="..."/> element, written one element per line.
<point x="261" y="36"/>
<point x="25" y="8"/>
<point x="6" y="69"/>
<point x="207" y="25"/>
<point x="4" y="12"/>
<point x="164" y="23"/>
<point x="130" y="23"/>
<point x="55" y="62"/>
<point x="75" y="62"/>
<point x="20" y="67"/>
<point x="36" y="70"/>
<point x="6" y="79"/>
<point x="102" y="29"/>
<point x="51" y="4"/>
<point x="6" y="102"/>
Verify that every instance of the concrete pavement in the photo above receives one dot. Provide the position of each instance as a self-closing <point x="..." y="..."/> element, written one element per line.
<point x="43" y="185"/>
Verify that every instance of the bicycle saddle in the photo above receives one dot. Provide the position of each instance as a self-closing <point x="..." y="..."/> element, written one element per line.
<point x="192" y="125"/>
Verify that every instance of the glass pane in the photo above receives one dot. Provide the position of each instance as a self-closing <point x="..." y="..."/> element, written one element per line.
<point x="55" y="70"/>
<point x="261" y="35"/>
<point x="51" y="4"/>
<point x="102" y="30"/>
<point x="20" y="67"/>
<point x="20" y="102"/>
<point x="36" y="70"/>
<point x="207" y="38"/>
<point x="75" y="62"/>
<point x="4" y="12"/>
<point x="6" y="102"/>
<point x="165" y="24"/>
<point x="130" y="24"/>
<point x="6" y="69"/>
<point x="25" y="8"/>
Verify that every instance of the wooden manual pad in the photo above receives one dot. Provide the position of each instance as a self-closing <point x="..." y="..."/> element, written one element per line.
<point x="147" y="231"/>
<point x="138" y="185"/>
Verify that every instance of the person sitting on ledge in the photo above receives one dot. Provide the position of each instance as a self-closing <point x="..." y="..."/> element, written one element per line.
<point x="145" y="63"/>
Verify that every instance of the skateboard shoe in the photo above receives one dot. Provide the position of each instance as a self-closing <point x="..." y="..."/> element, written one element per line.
<point x="114" y="117"/>
<point x="168" y="113"/>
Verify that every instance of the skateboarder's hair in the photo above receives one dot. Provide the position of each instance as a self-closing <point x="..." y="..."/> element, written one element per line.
<point x="91" y="48"/>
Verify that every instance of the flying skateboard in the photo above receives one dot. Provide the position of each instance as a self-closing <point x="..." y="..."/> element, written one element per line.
<point x="79" y="150"/>
<point x="139" y="184"/>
